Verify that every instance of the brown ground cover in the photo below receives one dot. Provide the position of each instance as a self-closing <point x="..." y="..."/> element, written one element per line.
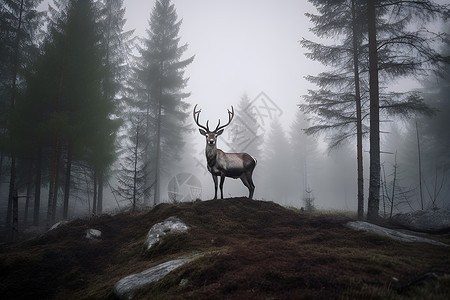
<point x="246" y="250"/>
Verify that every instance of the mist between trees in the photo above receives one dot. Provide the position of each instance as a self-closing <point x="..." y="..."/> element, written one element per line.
<point x="94" y="118"/>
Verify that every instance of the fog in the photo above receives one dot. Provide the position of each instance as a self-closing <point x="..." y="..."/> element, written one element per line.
<point x="252" y="48"/>
<point x="248" y="55"/>
<point x="240" y="47"/>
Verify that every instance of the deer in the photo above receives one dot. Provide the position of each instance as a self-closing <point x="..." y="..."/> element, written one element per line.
<point x="233" y="165"/>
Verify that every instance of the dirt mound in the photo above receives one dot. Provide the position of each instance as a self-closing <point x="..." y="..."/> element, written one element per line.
<point x="247" y="250"/>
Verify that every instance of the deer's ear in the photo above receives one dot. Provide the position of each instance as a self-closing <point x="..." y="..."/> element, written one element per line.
<point x="202" y="132"/>
<point x="219" y="132"/>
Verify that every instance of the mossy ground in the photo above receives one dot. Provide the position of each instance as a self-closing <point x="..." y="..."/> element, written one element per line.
<point x="246" y="250"/>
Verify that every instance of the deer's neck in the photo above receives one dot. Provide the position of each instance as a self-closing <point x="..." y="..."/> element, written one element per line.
<point x="211" y="154"/>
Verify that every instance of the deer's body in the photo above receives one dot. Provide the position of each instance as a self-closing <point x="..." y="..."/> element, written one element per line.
<point x="234" y="165"/>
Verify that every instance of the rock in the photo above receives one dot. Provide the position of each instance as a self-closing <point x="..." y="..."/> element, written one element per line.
<point x="183" y="282"/>
<point x="424" y="220"/>
<point x="169" y="225"/>
<point x="93" y="234"/>
<point x="364" y="226"/>
<point x="126" y="287"/>
<point x="56" y="225"/>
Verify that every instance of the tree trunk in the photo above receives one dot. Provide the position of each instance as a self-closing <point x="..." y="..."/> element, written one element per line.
<point x="384" y="191"/>
<point x="158" y="150"/>
<point x="12" y="188"/>
<point x="52" y="185"/>
<point x="374" y="180"/>
<point x="1" y="163"/>
<point x="107" y="95"/>
<point x="86" y="178"/>
<point x="393" y="185"/>
<point x="56" y="188"/>
<point x="12" y="177"/>
<point x="37" y="187"/>
<point x="53" y="192"/>
<point x="148" y="157"/>
<point x="67" y="182"/>
<point x="28" y="196"/>
<point x="420" y="166"/>
<point x="358" y="117"/>
<point x="100" y="194"/>
<point x="135" y="171"/>
<point x="94" y="199"/>
<point x="15" y="228"/>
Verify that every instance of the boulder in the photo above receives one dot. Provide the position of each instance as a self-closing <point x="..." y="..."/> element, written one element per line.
<point x="169" y="225"/>
<point x="93" y="234"/>
<point x="127" y="287"/>
<point x="397" y="235"/>
<point x="56" y="225"/>
<point x="424" y="220"/>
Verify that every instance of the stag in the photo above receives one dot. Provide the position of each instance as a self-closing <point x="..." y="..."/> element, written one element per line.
<point x="234" y="165"/>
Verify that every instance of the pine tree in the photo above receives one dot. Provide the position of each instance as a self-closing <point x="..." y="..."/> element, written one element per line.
<point x="339" y="103"/>
<point x="73" y="118"/>
<point x="96" y="107"/>
<point x="131" y="178"/>
<point x="159" y="82"/>
<point x="427" y="134"/>
<point x="276" y="165"/>
<point x="396" y="52"/>
<point x="374" y="90"/>
<point x="304" y="155"/>
<point x="435" y="140"/>
<point x="400" y="53"/>
<point x="116" y="50"/>
<point x="19" y="24"/>
<point x="243" y="132"/>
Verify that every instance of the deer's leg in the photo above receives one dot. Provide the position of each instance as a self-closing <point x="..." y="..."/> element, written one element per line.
<point x="215" y="186"/>
<point x="246" y="182"/>
<point x="222" y="179"/>
<point x="252" y="185"/>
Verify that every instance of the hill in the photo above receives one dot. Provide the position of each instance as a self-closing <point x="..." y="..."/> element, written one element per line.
<point x="246" y="250"/>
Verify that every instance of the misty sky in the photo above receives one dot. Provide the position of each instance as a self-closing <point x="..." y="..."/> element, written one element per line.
<point x="240" y="47"/>
<point x="249" y="46"/>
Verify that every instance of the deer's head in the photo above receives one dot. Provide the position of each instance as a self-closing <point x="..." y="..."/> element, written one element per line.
<point x="211" y="136"/>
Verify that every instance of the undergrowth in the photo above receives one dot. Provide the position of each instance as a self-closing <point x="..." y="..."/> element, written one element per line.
<point x="245" y="249"/>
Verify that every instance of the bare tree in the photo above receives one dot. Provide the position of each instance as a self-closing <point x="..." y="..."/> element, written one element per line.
<point x="132" y="185"/>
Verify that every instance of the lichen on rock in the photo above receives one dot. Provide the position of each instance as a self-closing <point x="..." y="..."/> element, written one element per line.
<point x="169" y="225"/>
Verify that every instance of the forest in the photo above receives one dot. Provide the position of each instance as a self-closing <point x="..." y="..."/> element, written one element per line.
<point x="94" y="118"/>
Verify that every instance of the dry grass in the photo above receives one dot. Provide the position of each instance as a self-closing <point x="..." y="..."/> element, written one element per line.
<point x="248" y="250"/>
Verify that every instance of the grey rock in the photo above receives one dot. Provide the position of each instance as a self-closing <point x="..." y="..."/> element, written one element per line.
<point x="183" y="282"/>
<point x="56" y="225"/>
<point x="93" y="234"/>
<point x="364" y="226"/>
<point x="169" y="225"/>
<point x="424" y="220"/>
<point x="127" y="287"/>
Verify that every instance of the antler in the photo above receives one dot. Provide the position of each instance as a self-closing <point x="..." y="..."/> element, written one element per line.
<point x="197" y="113"/>
<point x="230" y="117"/>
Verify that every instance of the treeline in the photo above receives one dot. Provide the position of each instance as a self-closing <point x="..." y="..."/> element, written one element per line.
<point x="367" y="46"/>
<point x="416" y="172"/>
<point x="78" y="94"/>
<point x="374" y="44"/>
<point x="73" y="99"/>
<point x="293" y="167"/>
